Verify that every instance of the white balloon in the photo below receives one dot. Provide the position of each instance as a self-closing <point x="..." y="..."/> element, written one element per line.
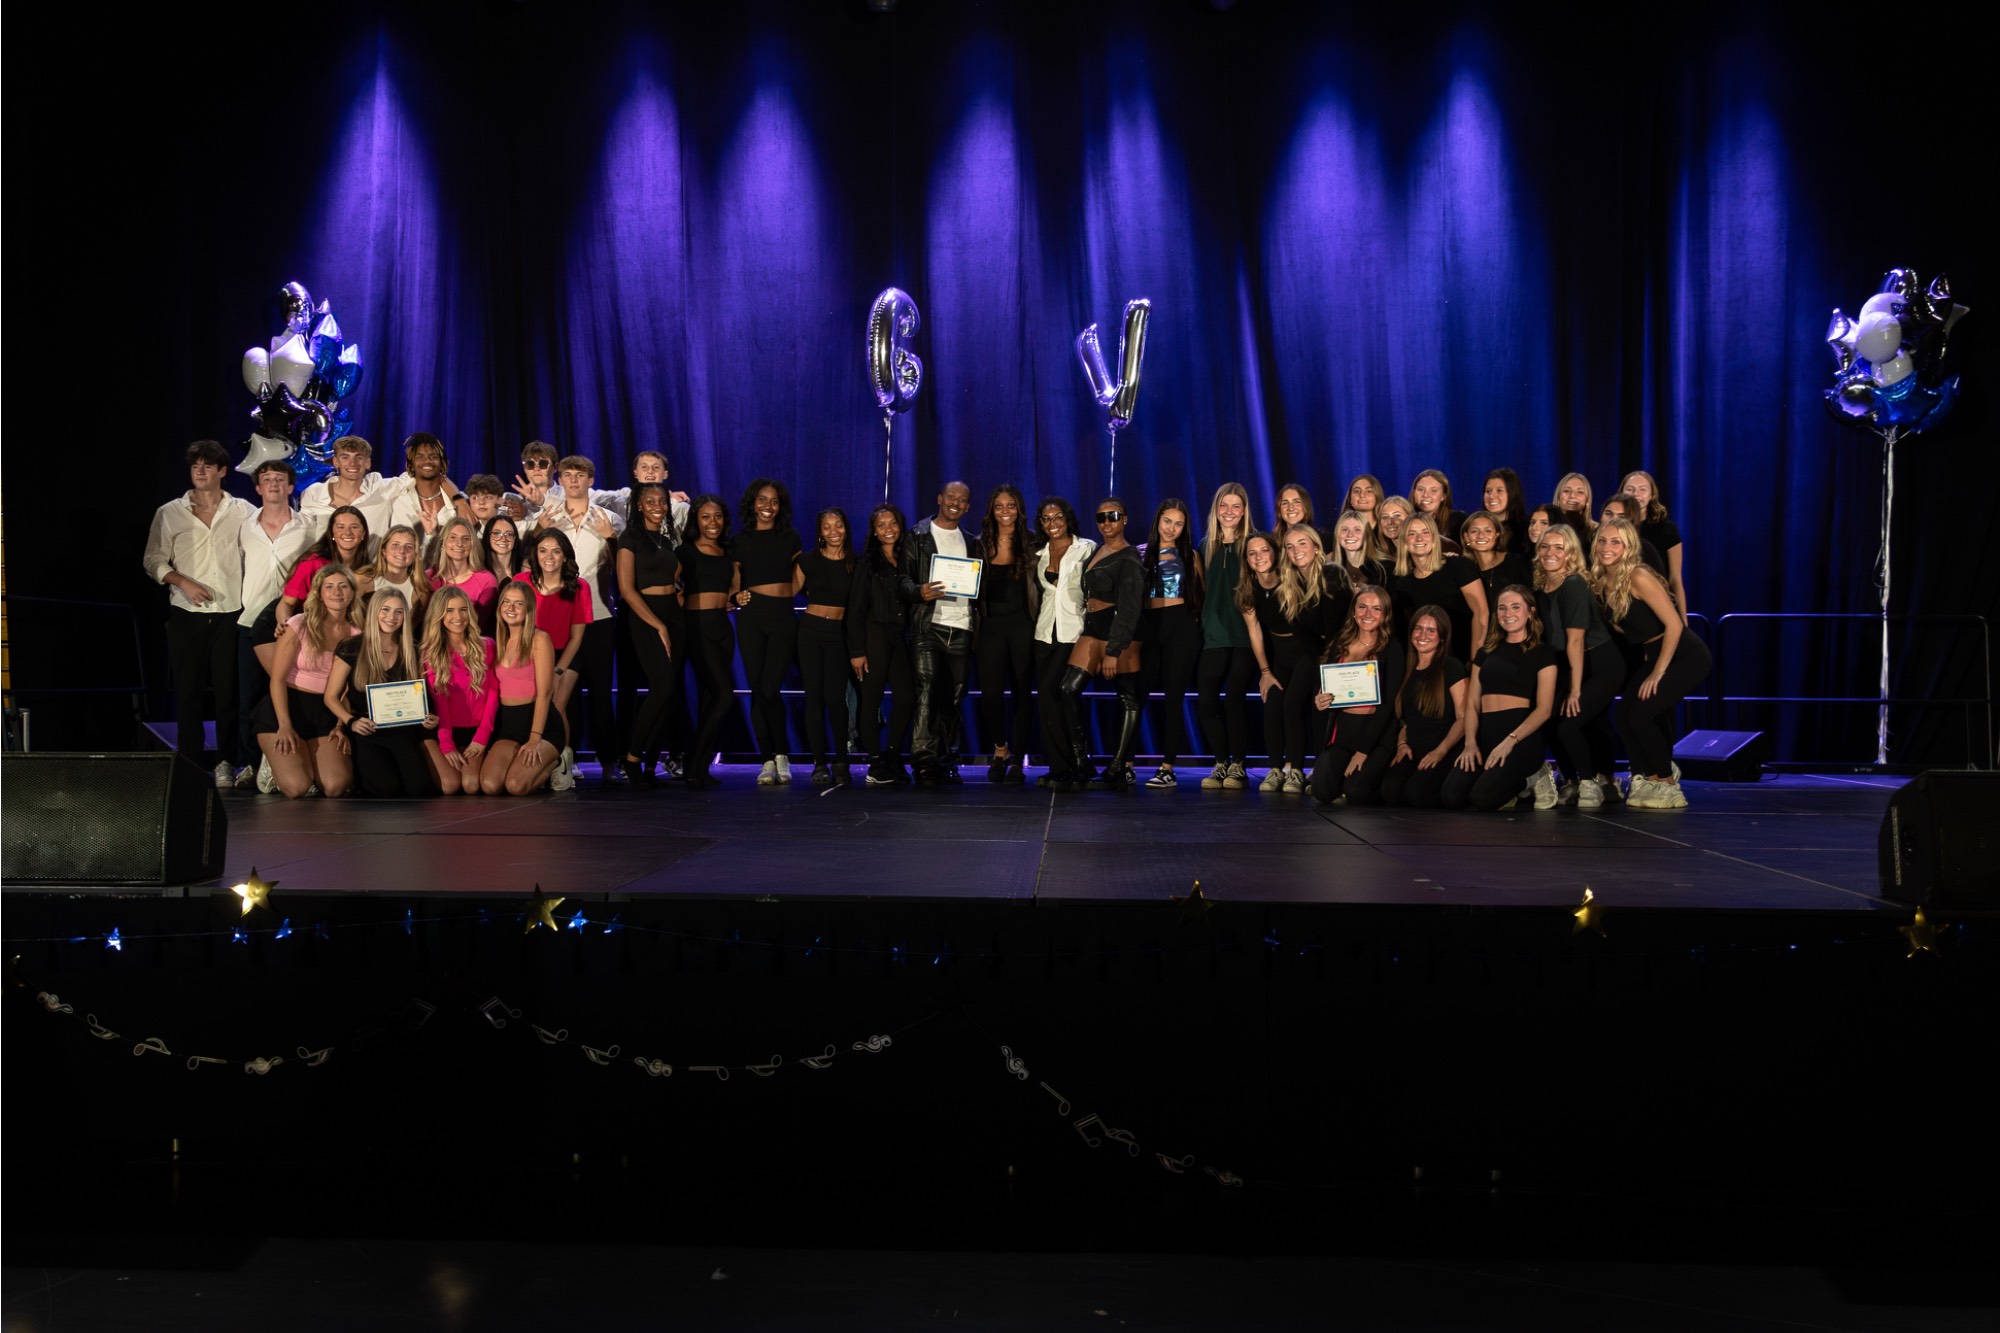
<point x="263" y="449"/>
<point x="1894" y="370"/>
<point x="257" y="372"/>
<point x="292" y="365"/>
<point x="1877" y="338"/>
<point x="1881" y="303"/>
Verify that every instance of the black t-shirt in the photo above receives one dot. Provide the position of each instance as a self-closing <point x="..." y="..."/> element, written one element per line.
<point x="702" y="572"/>
<point x="828" y="582"/>
<point x="654" y="563"/>
<point x="1663" y="533"/>
<point x="1571" y="606"/>
<point x="767" y="556"/>
<point x="1000" y="592"/>
<point x="1512" y="568"/>
<point x="356" y="698"/>
<point x="1427" y="733"/>
<point x="1445" y="588"/>
<point x="1270" y="616"/>
<point x="1510" y="668"/>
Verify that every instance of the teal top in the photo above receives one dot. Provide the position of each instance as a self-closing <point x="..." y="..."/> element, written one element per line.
<point x="1221" y="623"/>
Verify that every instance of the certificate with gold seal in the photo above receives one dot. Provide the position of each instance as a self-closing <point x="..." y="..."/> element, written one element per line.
<point x="397" y="703"/>
<point x="1352" y="684"/>
<point x="959" y="575"/>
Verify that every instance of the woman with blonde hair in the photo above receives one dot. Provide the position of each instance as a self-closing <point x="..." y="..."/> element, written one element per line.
<point x="1655" y="527"/>
<point x="1573" y="497"/>
<point x="388" y="761"/>
<point x="457" y="560"/>
<point x="1390" y="515"/>
<point x="457" y="667"/>
<point x="1352" y="559"/>
<point x="1589" y="670"/>
<point x="1426" y="576"/>
<point x="298" y="734"/>
<point x="1512" y="694"/>
<point x="1226" y="669"/>
<point x="396" y="567"/>
<point x="527" y="730"/>
<point x="1671" y="661"/>
<point x="1290" y="619"/>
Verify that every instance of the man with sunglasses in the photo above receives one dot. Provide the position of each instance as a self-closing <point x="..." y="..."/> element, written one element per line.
<point x="940" y="637"/>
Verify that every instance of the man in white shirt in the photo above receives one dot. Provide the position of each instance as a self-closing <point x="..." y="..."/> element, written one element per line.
<point x="195" y="548"/>
<point x="424" y="497"/>
<point x="941" y="637"/>
<point x="590" y="531"/>
<point x="272" y="544"/>
<point x="351" y="484"/>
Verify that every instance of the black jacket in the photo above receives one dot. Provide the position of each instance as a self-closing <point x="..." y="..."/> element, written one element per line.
<point x="919" y="549"/>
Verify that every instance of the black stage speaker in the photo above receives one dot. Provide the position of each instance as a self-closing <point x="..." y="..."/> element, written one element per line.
<point x="109" y="819"/>
<point x="1723" y="756"/>
<point x="1940" y="843"/>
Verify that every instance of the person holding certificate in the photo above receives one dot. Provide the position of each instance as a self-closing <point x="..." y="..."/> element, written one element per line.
<point x="1430" y="711"/>
<point x="1114" y="591"/>
<point x="1362" y="664"/>
<point x="376" y="689"/>
<point x="942" y="583"/>
<point x="1513" y="694"/>
<point x="528" y="731"/>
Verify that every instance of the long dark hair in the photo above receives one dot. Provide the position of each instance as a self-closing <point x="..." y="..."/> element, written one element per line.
<point x="324" y="547"/>
<point x="746" y="512"/>
<point x="819" y="541"/>
<point x="1514" y="520"/>
<point x="512" y="564"/>
<point x="1191" y="581"/>
<point x="989" y="532"/>
<point x="691" y="531"/>
<point x="1431" y="680"/>
<point x="875" y="563"/>
<point x="570" y="581"/>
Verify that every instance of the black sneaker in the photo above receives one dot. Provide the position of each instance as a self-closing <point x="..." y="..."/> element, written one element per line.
<point x="822" y="776"/>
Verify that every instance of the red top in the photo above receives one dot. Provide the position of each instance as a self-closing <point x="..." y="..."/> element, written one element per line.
<point x="458" y="706"/>
<point x="553" y="614"/>
<point x="301" y="581"/>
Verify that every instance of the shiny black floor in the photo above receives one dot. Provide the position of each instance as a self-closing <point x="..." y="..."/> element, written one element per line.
<point x="1804" y="842"/>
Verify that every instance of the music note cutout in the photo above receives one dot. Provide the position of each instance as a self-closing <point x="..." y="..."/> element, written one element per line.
<point x="766" y="1070"/>
<point x="497" y="1003"/>
<point x="820" y="1061"/>
<point x="1178" y="1165"/>
<point x="721" y="1072"/>
<point x="1015" y="1065"/>
<point x="1062" y="1102"/>
<point x="598" y="1056"/>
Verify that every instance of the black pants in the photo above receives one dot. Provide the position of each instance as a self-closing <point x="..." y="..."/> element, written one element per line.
<point x="661" y="668"/>
<point x="712" y="646"/>
<point x="1225" y="675"/>
<point x="824" y="672"/>
<point x="592" y="665"/>
<point x="1490" y="788"/>
<point x="391" y="763"/>
<point x="1173" y="648"/>
<point x="1006" y="656"/>
<point x="1584" y="745"/>
<point x="889" y="668"/>
<point x="943" y="660"/>
<point x="1406" y="784"/>
<point x="1285" y="725"/>
<point x="1330" y="777"/>
<point x="1050" y="659"/>
<point x="201" y="655"/>
<point x="1647" y="725"/>
<point x="767" y="634"/>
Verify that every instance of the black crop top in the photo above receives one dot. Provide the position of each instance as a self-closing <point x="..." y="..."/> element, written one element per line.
<point x="1511" y="669"/>
<point x="1000" y="593"/>
<point x="702" y="572"/>
<point x="828" y="582"/>
<point x="1120" y="579"/>
<point x="654" y="563"/>
<point x="1427" y="733"/>
<point x="1641" y="625"/>
<point x="1270" y="616"/>
<point x="768" y="556"/>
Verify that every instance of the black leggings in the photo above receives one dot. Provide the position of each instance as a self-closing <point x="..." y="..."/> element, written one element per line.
<point x="662" y="671"/>
<point x="889" y="668"/>
<point x="1050" y="659"/>
<point x="1005" y="653"/>
<point x="1584" y="745"/>
<point x="390" y="763"/>
<point x="767" y="634"/>
<point x="824" y="672"/>
<point x="712" y="645"/>
<point x="1284" y="722"/>
<point x="1330" y="776"/>
<point x="1173" y="647"/>
<point x="1225" y="675"/>
<point x="1647" y="725"/>
<point x="592" y="665"/>
<point x="1490" y="788"/>
<point x="1406" y="784"/>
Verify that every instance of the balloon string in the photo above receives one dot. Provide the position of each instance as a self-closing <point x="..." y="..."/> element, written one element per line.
<point x="1888" y="512"/>
<point x="888" y="433"/>
<point x="1113" y="486"/>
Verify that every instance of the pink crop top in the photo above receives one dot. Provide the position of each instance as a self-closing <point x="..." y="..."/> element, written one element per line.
<point x="516" y="682"/>
<point x="309" y="670"/>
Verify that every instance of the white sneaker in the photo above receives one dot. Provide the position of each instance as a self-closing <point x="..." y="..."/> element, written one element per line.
<point x="225" y="776"/>
<point x="246" y="779"/>
<point x="767" y="776"/>
<point x="1641" y="795"/>
<point x="1235" y="779"/>
<point x="267" y="781"/>
<point x="1676" y="768"/>
<point x="1274" y="780"/>
<point x="1216" y="777"/>
<point x="784" y="762"/>
<point x="1162" y="779"/>
<point x="1295" y="782"/>
<point x="562" y="779"/>
<point x="1544" y="786"/>
<point x="1669" y="796"/>
<point x="567" y="765"/>
<point x="1589" y="795"/>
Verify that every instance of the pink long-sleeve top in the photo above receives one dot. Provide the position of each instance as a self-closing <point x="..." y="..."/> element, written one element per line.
<point x="458" y="706"/>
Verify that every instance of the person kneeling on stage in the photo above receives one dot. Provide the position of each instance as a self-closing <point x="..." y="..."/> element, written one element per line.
<point x="388" y="761"/>
<point x="1430" y="710"/>
<point x="1513" y="694"/>
<point x="458" y="668"/>
<point x="295" y="729"/>
<point x="528" y="731"/>
<point x="1361" y="742"/>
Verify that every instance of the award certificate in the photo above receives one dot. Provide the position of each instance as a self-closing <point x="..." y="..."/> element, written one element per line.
<point x="959" y="576"/>
<point x="397" y="703"/>
<point x="1351" y="683"/>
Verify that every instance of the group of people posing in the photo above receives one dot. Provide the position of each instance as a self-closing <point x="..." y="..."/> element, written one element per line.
<point x="1500" y="637"/>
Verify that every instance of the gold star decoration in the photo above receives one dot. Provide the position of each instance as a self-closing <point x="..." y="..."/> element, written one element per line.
<point x="1194" y="907"/>
<point x="1589" y="916"/>
<point x="255" y="892"/>
<point x="541" y="911"/>
<point x="1921" y="934"/>
<point x="14" y="981"/>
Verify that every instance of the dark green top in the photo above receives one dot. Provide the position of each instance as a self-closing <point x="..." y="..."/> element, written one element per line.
<point x="1221" y="623"/>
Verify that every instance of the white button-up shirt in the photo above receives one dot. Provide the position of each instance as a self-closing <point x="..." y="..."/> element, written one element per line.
<point x="209" y="553"/>
<point x="378" y="494"/>
<point x="267" y="560"/>
<point x="1060" y="619"/>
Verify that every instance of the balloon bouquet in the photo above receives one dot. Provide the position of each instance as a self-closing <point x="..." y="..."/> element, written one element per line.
<point x="1119" y="396"/>
<point x="299" y="382"/>
<point x="894" y="372"/>
<point x="1892" y="378"/>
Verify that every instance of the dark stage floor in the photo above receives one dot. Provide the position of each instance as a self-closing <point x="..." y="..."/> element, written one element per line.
<point x="1792" y="842"/>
